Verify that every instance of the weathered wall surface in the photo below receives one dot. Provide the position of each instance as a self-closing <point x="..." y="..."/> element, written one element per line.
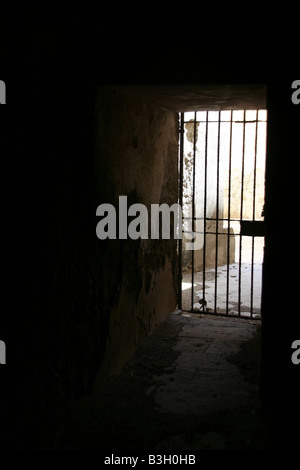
<point x="136" y="156"/>
<point x="211" y="200"/>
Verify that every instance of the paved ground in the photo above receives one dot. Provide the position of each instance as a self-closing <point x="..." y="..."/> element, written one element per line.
<point x="249" y="277"/>
<point x="192" y="385"/>
<point x="233" y="295"/>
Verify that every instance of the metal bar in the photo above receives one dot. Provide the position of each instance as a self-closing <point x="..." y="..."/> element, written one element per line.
<point x="252" y="278"/>
<point x="253" y="218"/>
<point x="180" y="198"/>
<point x="229" y="120"/>
<point x="228" y="210"/>
<point x="241" y="218"/>
<point x="217" y="213"/>
<point x="212" y="233"/>
<point x="205" y="211"/>
<point x="254" y="175"/>
<point x="237" y="122"/>
<point x="193" y="208"/>
<point x="213" y="218"/>
<point x="230" y="315"/>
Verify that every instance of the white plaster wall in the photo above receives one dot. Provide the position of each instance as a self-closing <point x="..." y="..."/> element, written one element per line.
<point x="212" y="172"/>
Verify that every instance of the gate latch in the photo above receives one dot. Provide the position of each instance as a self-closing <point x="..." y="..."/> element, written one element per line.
<point x="253" y="228"/>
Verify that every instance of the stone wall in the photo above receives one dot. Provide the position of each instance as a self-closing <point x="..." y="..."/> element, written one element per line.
<point x="136" y="156"/>
<point x="86" y="303"/>
<point x="211" y="199"/>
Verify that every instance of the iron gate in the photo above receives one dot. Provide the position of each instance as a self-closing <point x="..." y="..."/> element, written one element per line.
<point x="221" y="192"/>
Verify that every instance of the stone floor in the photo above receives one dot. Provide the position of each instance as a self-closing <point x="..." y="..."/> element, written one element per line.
<point x="233" y="296"/>
<point x="247" y="276"/>
<point x="192" y="385"/>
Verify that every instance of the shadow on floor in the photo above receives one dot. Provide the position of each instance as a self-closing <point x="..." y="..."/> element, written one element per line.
<point x="192" y="385"/>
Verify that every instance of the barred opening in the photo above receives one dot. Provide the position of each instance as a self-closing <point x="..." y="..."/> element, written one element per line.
<point x="222" y="191"/>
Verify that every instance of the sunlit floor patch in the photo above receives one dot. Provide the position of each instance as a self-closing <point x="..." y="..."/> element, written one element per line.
<point x="233" y="274"/>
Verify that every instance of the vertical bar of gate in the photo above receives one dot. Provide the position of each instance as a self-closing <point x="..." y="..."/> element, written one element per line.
<point x="193" y="207"/>
<point x="205" y="210"/>
<point x="228" y="210"/>
<point x="180" y="190"/>
<point x="241" y="217"/>
<point x="217" y="213"/>
<point x="253" y="212"/>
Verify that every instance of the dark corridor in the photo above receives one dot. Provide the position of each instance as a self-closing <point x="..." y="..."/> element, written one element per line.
<point x="79" y="308"/>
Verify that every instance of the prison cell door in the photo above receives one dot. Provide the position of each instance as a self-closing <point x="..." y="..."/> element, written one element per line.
<point x="221" y="192"/>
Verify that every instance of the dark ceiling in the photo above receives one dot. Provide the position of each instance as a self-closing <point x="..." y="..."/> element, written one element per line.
<point x="183" y="98"/>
